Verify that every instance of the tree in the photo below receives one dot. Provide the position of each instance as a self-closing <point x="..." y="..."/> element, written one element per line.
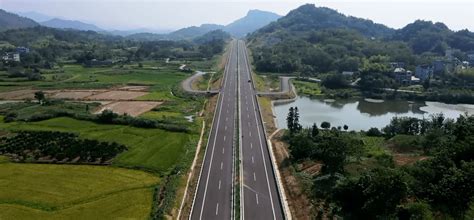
<point x="107" y="116"/>
<point x="301" y="146"/>
<point x="296" y="121"/>
<point x="314" y="130"/>
<point x="332" y="150"/>
<point x="416" y="210"/>
<point x="374" y="132"/>
<point x="374" y="195"/>
<point x="325" y="125"/>
<point x="290" y="119"/>
<point x="346" y="127"/>
<point x="39" y="95"/>
<point x="335" y="81"/>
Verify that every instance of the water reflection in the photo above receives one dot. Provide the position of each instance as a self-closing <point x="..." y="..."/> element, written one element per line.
<point x="399" y="107"/>
<point x="362" y="114"/>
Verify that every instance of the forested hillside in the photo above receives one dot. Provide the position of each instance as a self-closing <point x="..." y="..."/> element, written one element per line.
<point x="314" y="40"/>
<point x="13" y="21"/>
<point x="49" y="45"/>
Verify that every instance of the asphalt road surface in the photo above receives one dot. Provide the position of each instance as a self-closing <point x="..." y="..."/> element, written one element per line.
<point x="259" y="198"/>
<point x="213" y="198"/>
<point x="259" y="193"/>
<point x="187" y="84"/>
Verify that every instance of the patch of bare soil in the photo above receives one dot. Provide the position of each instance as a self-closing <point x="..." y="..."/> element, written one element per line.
<point x="407" y="159"/>
<point x="134" y="88"/>
<point x="74" y="94"/>
<point x="18" y="94"/>
<point x="117" y="95"/>
<point x="132" y="108"/>
<point x="299" y="203"/>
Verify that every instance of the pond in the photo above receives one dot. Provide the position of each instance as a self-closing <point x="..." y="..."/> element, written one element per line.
<point x="362" y="114"/>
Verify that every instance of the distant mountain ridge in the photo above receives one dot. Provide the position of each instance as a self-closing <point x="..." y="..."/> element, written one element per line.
<point x="35" y="16"/>
<point x="13" y="21"/>
<point x="254" y="20"/>
<point x="71" y="24"/>
<point x="193" y="31"/>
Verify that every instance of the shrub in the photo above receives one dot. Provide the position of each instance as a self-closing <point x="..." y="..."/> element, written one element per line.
<point x="374" y="132"/>
<point x="27" y="145"/>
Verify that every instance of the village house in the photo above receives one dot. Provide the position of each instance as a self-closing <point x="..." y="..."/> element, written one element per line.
<point x="439" y="67"/>
<point x="471" y="59"/>
<point x="395" y="65"/>
<point x="423" y="72"/>
<point x="347" y="73"/>
<point x="402" y="76"/>
<point x="11" y="57"/>
<point x="22" y="50"/>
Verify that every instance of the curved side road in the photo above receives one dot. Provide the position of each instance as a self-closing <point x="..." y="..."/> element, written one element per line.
<point x="285" y="86"/>
<point x="187" y="85"/>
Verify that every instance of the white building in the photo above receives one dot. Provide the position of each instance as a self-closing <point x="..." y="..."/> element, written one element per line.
<point x="11" y="57"/>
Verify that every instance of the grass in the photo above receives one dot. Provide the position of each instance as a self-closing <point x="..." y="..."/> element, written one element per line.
<point x="45" y="191"/>
<point x="307" y="88"/>
<point x="374" y="146"/>
<point x="405" y="143"/>
<point x="267" y="114"/>
<point x="259" y="82"/>
<point x="152" y="149"/>
<point x="161" y="115"/>
<point x="77" y="76"/>
<point x="26" y="110"/>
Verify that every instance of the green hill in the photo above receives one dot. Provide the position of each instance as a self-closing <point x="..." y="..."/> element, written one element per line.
<point x="12" y="21"/>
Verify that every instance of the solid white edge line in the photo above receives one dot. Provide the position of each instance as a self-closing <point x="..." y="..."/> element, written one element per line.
<point x="261" y="148"/>
<point x="210" y="133"/>
<point x="280" y="188"/>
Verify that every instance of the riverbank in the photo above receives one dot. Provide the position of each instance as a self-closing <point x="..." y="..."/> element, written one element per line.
<point x="314" y="89"/>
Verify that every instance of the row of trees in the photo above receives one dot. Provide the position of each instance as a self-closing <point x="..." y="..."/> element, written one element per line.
<point x="51" y="108"/>
<point x="58" y="146"/>
<point x="443" y="183"/>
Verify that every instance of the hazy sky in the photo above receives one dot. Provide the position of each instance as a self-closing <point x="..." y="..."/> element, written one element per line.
<point x="174" y="14"/>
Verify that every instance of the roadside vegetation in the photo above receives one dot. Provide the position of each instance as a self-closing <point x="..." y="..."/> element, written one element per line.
<point x="411" y="169"/>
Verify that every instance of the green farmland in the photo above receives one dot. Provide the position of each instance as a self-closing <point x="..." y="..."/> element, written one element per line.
<point x="43" y="191"/>
<point x="160" y="79"/>
<point x="151" y="149"/>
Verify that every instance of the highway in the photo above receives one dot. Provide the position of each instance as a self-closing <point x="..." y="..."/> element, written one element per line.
<point x="214" y="194"/>
<point x="259" y="194"/>
<point x="259" y="197"/>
